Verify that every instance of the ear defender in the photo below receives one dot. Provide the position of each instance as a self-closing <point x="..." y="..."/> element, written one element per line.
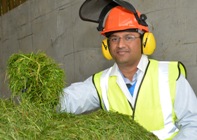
<point x="148" y="43"/>
<point x="105" y="49"/>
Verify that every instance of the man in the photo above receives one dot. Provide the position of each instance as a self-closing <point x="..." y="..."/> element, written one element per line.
<point x="156" y="94"/>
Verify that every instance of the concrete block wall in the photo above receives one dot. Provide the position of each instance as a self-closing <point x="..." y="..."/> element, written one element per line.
<point x="54" y="26"/>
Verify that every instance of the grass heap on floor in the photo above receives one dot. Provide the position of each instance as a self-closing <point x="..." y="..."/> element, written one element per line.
<point x="35" y="116"/>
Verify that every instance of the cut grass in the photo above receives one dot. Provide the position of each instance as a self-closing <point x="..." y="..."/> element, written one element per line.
<point x="30" y="121"/>
<point x="35" y="77"/>
<point x="36" y="81"/>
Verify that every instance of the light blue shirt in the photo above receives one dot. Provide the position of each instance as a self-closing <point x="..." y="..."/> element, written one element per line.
<point x="82" y="97"/>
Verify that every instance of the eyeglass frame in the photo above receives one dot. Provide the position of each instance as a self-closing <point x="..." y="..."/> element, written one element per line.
<point x="125" y="38"/>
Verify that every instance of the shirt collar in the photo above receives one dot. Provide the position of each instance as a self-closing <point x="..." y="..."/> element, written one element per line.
<point x="143" y="63"/>
<point x="141" y="66"/>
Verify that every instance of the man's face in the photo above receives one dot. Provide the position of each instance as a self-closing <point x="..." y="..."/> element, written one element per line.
<point x="125" y="47"/>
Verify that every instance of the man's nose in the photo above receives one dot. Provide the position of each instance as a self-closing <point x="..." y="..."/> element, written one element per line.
<point x="121" y="42"/>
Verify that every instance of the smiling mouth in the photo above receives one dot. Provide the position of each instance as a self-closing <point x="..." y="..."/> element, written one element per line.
<point x="122" y="52"/>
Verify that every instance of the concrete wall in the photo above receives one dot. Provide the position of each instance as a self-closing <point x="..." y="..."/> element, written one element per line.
<point x="54" y="26"/>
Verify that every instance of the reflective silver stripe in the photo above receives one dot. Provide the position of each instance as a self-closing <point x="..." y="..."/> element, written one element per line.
<point x="104" y="87"/>
<point x="166" y="104"/>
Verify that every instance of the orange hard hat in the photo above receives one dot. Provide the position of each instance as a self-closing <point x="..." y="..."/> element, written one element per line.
<point x="119" y="18"/>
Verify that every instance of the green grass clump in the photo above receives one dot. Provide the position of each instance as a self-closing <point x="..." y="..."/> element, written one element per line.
<point x="38" y="81"/>
<point x="35" y="77"/>
<point x="30" y="122"/>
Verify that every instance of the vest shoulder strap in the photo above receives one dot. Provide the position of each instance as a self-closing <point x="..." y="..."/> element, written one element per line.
<point x="174" y="66"/>
<point x="182" y="69"/>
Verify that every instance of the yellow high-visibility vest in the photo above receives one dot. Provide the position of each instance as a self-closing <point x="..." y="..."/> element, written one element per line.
<point x="153" y="108"/>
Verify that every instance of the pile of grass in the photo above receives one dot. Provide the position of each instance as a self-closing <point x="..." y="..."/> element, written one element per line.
<point x="38" y="81"/>
<point x="35" y="77"/>
<point x="32" y="122"/>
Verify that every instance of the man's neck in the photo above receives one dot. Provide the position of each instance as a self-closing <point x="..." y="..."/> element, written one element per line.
<point x="128" y="71"/>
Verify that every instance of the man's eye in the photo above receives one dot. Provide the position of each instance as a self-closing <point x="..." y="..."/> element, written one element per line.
<point x="129" y="37"/>
<point x="114" y="39"/>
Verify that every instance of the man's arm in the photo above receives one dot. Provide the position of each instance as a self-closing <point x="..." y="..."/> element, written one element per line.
<point x="186" y="111"/>
<point x="79" y="98"/>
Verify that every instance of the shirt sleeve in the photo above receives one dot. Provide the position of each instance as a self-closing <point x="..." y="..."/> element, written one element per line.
<point x="186" y="111"/>
<point x="79" y="98"/>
